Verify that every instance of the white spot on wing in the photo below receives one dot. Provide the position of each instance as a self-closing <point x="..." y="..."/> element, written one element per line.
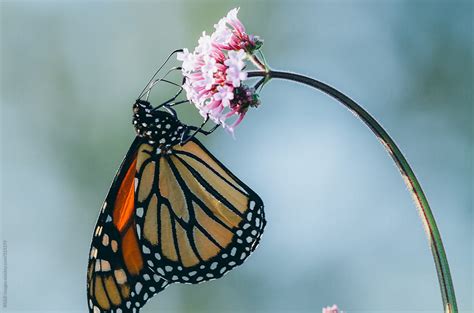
<point x="105" y="240"/>
<point x="138" y="287"/>
<point x="252" y="205"/>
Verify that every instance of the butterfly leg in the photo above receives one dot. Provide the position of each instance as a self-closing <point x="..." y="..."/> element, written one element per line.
<point x="187" y="137"/>
<point x="169" y="103"/>
<point x="163" y="79"/>
<point x="208" y="132"/>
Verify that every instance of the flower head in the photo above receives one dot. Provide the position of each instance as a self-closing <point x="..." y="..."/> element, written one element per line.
<point x="214" y="72"/>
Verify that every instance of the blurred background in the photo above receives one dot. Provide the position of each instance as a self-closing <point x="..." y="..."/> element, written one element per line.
<point x="342" y="227"/>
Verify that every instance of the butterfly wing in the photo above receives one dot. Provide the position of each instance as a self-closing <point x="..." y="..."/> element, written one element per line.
<point x="195" y="219"/>
<point x="118" y="279"/>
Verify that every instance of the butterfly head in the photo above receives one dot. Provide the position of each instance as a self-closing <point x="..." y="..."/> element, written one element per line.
<point x="158" y="127"/>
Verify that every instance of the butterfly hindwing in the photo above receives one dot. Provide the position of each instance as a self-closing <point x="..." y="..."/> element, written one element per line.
<point x="118" y="280"/>
<point x="195" y="219"/>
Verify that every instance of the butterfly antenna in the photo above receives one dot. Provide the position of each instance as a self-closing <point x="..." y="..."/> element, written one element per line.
<point x="152" y="83"/>
<point x="157" y="71"/>
<point x="146" y="92"/>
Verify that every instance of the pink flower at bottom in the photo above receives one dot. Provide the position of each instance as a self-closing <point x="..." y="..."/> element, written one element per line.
<point x="331" y="309"/>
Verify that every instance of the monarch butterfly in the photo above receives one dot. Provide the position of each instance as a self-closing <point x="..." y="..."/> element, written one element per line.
<point x="174" y="214"/>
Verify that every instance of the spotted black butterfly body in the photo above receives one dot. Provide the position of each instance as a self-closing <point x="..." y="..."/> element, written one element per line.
<point x="174" y="213"/>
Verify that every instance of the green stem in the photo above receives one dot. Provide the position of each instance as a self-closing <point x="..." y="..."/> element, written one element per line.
<point x="429" y="223"/>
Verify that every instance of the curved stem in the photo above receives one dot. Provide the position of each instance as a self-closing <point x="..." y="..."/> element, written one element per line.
<point x="429" y="223"/>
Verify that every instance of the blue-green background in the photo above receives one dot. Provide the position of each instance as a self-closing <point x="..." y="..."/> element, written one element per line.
<point x="342" y="227"/>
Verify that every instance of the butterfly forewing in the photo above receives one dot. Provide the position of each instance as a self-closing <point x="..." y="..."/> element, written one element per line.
<point x="195" y="219"/>
<point x="118" y="279"/>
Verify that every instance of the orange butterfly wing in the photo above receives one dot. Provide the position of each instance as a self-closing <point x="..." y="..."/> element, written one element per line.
<point x="118" y="280"/>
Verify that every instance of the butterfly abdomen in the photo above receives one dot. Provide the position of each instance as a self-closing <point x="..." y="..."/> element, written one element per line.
<point x="158" y="127"/>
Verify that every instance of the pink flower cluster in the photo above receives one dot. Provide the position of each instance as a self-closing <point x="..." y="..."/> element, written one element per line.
<point x="214" y="72"/>
<point x="331" y="309"/>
